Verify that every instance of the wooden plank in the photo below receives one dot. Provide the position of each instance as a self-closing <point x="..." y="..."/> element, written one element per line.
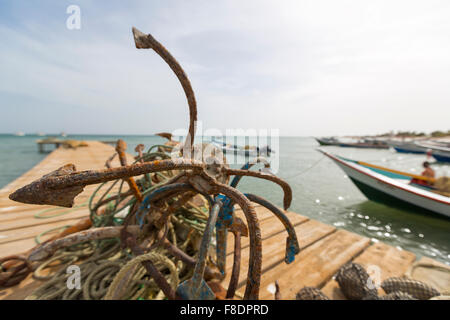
<point x="32" y="221"/>
<point x="261" y="212"/>
<point x="314" y="266"/>
<point x="432" y="272"/>
<point x="30" y="232"/>
<point x="381" y="261"/>
<point x="82" y="204"/>
<point x="273" y="248"/>
<point x="16" y="247"/>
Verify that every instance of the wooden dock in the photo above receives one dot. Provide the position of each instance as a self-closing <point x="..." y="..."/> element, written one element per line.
<point x="56" y="143"/>
<point x="324" y="248"/>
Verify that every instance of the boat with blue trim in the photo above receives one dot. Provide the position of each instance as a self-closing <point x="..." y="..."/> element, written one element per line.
<point x="393" y="187"/>
<point x="408" y="147"/>
<point x="441" y="156"/>
<point x="440" y="152"/>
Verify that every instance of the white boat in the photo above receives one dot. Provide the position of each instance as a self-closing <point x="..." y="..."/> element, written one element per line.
<point x="19" y="134"/>
<point x="407" y="147"/>
<point x="249" y="151"/>
<point x="439" y="152"/>
<point x="391" y="186"/>
<point x="433" y="146"/>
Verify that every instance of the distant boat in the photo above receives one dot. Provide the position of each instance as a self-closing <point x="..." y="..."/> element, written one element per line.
<point x="440" y="152"/>
<point x="370" y="144"/>
<point x="63" y="134"/>
<point x="40" y="134"/>
<point x="407" y="147"/>
<point x="433" y="144"/>
<point x="327" y="141"/>
<point x="391" y="186"/>
<point x="19" y="134"/>
<point x="246" y="151"/>
<point x="441" y="156"/>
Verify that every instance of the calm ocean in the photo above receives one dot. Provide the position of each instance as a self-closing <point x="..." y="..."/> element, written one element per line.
<point x="321" y="190"/>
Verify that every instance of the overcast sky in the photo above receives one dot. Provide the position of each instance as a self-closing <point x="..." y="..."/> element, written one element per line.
<point x="304" y="67"/>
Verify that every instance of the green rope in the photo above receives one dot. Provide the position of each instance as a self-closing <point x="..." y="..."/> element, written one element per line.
<point x="38" y="237"/>
<point x="39" y="214"/>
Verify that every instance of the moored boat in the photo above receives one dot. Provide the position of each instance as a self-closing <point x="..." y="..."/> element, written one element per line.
<point x="251" y="151"/>
<point x="371" y="144"/>
<point x="441" y="156"/>
<point x="392" y="186"/>
<point x="439" y="152"/>
<point x="327" y="141"/>
<point x="408" y="147"/>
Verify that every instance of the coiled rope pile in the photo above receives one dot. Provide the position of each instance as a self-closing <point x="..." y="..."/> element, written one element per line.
<point x="109" y="271"/>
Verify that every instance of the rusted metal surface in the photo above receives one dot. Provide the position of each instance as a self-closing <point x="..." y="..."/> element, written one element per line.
<point x="139" y="149"/>
<point x="238" y="228"/>
<point x="146" y="41"/>
<point x="247" y="166"/>
<point x="255" y="263"/>
<point x="110" y="159"/>
<point x="179" y="254"/>
<point x="15" y="272"/>
<point x="196" y="288"/>
<point x="283" y="184"/>
<point x="292" y="245"/>
<point x="277" y="291"/>
<point x="61" y="186"/>
<point x="145" y="226"/>
<point x="224" y="221"/>
<point x="121" y="147"/>
<point x="152" y="270"/>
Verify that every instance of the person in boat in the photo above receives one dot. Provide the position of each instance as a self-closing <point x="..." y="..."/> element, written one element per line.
<point x="428" y="173"/>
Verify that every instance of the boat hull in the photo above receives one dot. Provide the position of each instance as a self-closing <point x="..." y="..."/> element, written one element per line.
<point x="363" y="146"/>
<point x="325" y="142"/>
<point x="329" y="142"/>
<point x="441" y="157"/>
<point x="382" y="189"/>
<point x="408" y="147"/>
<point x="409" y="150"/>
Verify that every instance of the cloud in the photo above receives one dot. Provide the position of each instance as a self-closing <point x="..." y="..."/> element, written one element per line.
<point x="305" y="67"/>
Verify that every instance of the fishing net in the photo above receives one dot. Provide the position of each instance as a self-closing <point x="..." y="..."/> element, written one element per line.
<point x="415" y="288"/>
<point x="310" y="293"/>
<point x="397" y="295"/>
<point x="442" y="186"/>
<point x="355" y="282"/>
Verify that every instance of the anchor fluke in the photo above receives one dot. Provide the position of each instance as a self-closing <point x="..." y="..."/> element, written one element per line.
<point x="38" y="193"/>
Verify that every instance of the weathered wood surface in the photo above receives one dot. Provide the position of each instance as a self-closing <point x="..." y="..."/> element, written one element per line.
<point x="432" y="272"/>
<point x="273" y="248"/>
<point x="324" y="249"/>
<point x="18" y="224"/>
<point x="313" y="266"/>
